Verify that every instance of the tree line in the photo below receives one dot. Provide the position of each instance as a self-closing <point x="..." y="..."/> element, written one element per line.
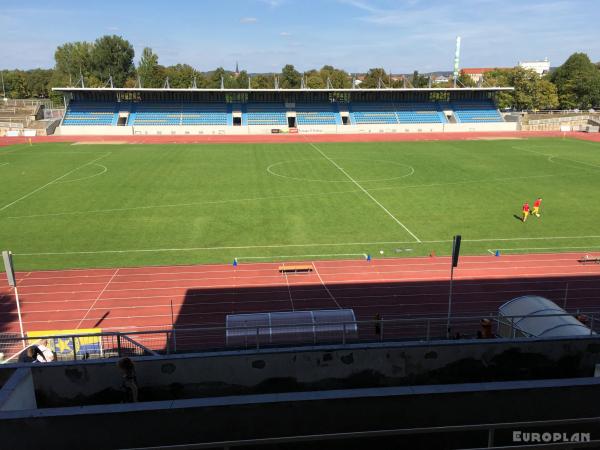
<point x="575" y="84"/>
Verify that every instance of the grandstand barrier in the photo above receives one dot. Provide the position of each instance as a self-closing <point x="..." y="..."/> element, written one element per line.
<point x="177" y="340"/>
<point x="264" y="130"/>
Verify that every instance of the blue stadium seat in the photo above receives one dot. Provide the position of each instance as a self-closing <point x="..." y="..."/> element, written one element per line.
<point x="474" y="111"/>
<point x="317" y="114"/>
<point x="171" y="113"/>
<point x="395" y="113"/>
<point x="265" y="114"/>
<point x="91" y="114"/>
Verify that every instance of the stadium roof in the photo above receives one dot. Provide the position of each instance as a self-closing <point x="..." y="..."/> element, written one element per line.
<point x="80" y="89"/>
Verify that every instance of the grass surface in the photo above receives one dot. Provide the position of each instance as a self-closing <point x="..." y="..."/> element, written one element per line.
<point x="64" y="205"/>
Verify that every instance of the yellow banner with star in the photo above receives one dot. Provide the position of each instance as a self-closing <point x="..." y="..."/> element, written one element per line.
<point x="61" y="342"/>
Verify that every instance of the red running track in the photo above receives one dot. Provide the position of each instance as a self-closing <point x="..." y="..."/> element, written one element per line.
<point x="301" y="138"/>
<point x="140" y="298"/>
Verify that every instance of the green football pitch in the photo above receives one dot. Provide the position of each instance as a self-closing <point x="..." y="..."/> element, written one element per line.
<point x="64" y="205"/>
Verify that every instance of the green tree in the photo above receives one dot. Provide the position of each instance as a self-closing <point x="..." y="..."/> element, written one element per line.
<point x="372" y="78"/>
<point x="242" y="80"/>
<point x="149" y="71"/>
<point x="73" y="59"/>
<point x="112" y="56"/>
<point x="418" y="80"/>
<point x="38" y="82"/>
<point x="263" y="81"/>
<point x="339" y="78"/>
<point x="15" y="83"/>
<point x="214" y="78"/>
<point x="531" y="90"/>
<point x="181" y="75"/>
<point x="290" y="77"/>
<point x="577" y="82"/>
<point x="465" y="80"/>
<point x="313" y="80"/>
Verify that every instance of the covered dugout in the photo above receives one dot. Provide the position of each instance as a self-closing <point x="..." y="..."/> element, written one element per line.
<point x="307" y="327"/>
<point x="535" y="316"/>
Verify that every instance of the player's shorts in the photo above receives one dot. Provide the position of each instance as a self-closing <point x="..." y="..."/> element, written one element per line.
<point x="525" y="214"/>
<point x="536" y="210"/>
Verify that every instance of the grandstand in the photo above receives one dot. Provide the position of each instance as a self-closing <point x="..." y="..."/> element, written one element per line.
<point x="130" y="111"/>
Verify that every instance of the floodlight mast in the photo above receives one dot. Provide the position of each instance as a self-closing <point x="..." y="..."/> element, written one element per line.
<point x="456" y="60"/>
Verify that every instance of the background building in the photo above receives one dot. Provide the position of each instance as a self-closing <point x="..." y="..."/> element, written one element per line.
<point x="541" y="67"/>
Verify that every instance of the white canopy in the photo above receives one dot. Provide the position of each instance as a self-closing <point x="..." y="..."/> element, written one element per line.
<point x="535" y="316"/>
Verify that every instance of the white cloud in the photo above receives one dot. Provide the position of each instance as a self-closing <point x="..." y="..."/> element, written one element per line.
<point x="248" y="20"/>
<point x="273" y="3"/>
<point x="285" y="34"/>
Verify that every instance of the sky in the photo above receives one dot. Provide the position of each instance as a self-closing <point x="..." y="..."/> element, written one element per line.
<point x="263" y="35"/>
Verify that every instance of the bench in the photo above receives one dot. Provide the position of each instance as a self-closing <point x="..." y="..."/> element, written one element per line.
<point x="587" y="259"/>
<point x="296" y="268"/>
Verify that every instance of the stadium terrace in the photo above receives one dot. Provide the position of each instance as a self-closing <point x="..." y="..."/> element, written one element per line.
<point x="150" y="111"/>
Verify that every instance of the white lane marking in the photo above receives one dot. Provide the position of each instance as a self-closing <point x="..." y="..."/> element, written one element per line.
<point x="326" y="288"/>
<point x="200" y="280"/>
<point x="365" y="191"/>
<point x="53" y="181"/>
<point x="289" y="289"/>
<point x="97" y="298"/>
<point x="338" y="244"/>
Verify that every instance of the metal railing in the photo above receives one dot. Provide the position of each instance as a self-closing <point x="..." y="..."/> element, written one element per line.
<point x="75" y="347"/>
<point x="21" y="103"/>
<point x="586" y="438"/>
<point x="181" y="340"/>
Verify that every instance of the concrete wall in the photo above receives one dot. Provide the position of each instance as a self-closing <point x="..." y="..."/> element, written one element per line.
<point x="550" y="123"/>
<point x="305" y="129"/>
<point x="462" y="127"/>
<point x="272" y="415"/>
<point x="305" y="369"/>
<point x="18" y="392"/>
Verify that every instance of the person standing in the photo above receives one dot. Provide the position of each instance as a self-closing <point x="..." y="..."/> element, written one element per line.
<point x="129" y="383"/>
<point x="536" y="207"/>
<point x="525" y="211"/>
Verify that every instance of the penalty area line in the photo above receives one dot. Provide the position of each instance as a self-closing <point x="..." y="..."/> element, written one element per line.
<point x="53" y="181"/>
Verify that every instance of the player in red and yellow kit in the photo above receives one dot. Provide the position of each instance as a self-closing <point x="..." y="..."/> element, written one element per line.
<point x="536" y="207"/>
<point x="525" y="211"/>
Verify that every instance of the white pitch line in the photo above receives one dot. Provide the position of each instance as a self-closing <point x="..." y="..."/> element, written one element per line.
<point x="551" y="157"/>
<point x="105" y="169"/>
<point x="365" y="191"/>
<point x="53" y="181"/>
<point x="179" y="205"/>
<point x="548" y="248"/>
<point x="335" y="244"/>
<point x="97" y="298"/>
<point x="301" y="256"/>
